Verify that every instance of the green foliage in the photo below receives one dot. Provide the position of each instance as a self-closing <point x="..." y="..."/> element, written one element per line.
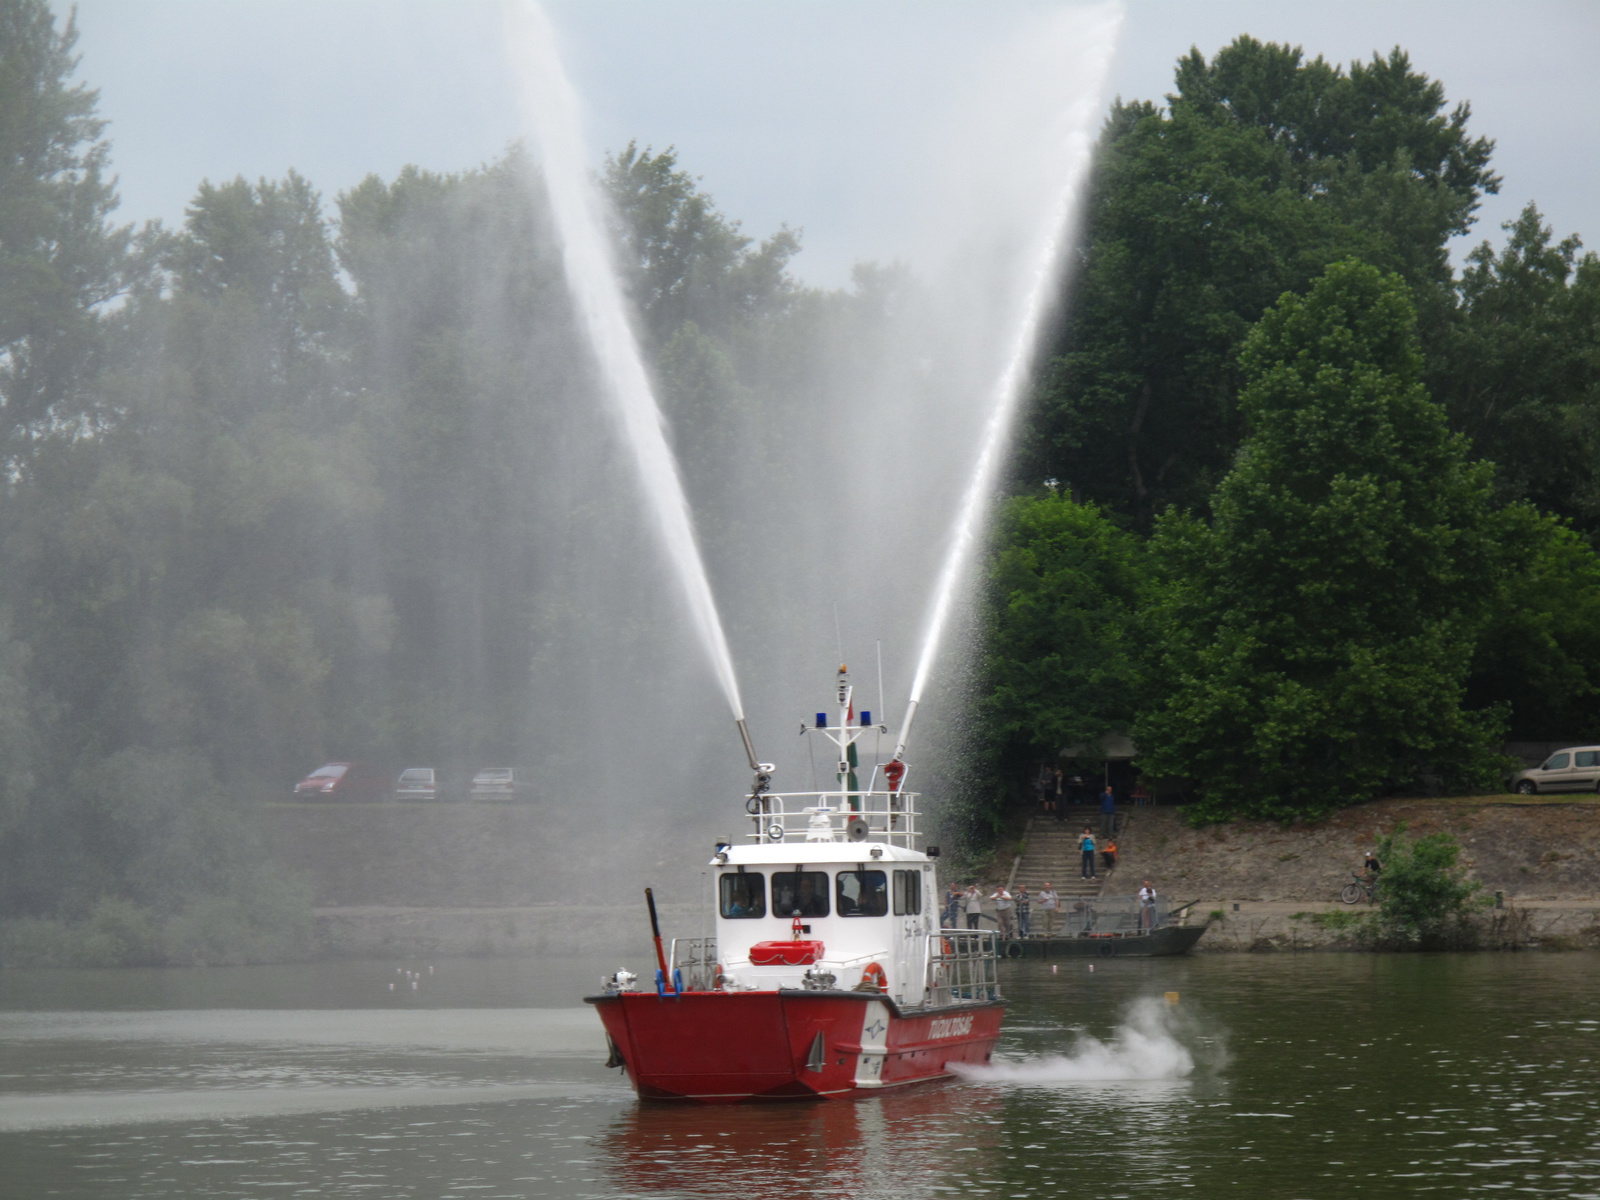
<point x="1539" y="653"/>
<point x="1313" y="641"/>
<point x="1424" y="897"/>
<point x="1519" y="369"/>
<point x="1343" y="921"/>
<point x="1060" y="652"/>
<point x="1265" y="169"/>
<point x="59" y="256"/>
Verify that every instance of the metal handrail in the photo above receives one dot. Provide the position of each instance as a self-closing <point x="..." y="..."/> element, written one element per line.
<point x="836" y="816"/>
<point x="963" y="966"/>
<point x="696" y="958"/>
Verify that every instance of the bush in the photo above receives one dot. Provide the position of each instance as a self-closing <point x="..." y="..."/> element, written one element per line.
<point x="1424" y="898"/>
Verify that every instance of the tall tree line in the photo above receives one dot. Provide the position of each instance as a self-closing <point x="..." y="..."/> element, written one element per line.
<point x="301" y="481"/>
<point x="1308" y="512"/>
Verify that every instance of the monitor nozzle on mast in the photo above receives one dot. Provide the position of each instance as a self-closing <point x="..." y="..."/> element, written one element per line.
<point x="763" y="771"/>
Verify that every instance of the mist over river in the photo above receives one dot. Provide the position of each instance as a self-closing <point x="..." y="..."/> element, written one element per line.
<point x="1273" y="1076"/>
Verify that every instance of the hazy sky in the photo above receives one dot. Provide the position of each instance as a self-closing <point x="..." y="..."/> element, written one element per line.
<point x="790" y="112"/>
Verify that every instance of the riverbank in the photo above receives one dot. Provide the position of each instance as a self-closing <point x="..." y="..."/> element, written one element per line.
<point x="1266" y="886"/>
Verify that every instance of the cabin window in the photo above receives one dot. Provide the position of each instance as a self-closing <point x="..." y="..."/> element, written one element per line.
<point x="907" y="893"/>
<point x="1586" y="758"/>
<point x="800" y="893"/>
<point x="1558" y="762"/>
<point x="744" y="895"/>
<point x="863" y="894"/>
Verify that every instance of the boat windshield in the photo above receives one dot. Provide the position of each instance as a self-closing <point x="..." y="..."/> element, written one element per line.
<point x="863" y="894"/>
<point x="744" y="895"/>
<point x="800" y="893"/>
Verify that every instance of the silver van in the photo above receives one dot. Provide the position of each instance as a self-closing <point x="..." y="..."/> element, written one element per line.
<point x="1576" y="769"/>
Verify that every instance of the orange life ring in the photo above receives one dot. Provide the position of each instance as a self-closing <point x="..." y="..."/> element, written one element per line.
<point x="874" y="979"/>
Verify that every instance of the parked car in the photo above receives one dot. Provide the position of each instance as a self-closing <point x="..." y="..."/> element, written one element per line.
<point x="1575" y="769"/>
<point x="344" y="781"/>
<point x="417" y="783"/>
<point x="494" y="783"/>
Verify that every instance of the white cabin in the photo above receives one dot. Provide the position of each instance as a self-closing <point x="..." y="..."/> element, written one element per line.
<point x="865" y="902"/>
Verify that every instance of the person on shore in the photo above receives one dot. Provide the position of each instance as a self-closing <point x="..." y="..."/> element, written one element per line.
<point x="1086" y="846"/>
<point x="1108" y="855"/>
<point x="1049" y="905"/>
<point x="1372" y="866"/>
<point x="1060" y="794"/>
<point x="952" y="908"/>
<point x="973" y="904"/>
<point x="1002" y="910"/>
<point x="1024" y="904"/>
<point x="1108" y="812"/>
<point x="1147" y="907"/>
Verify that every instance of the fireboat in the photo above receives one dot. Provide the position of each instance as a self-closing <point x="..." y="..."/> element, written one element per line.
<point x="828" y="975"/>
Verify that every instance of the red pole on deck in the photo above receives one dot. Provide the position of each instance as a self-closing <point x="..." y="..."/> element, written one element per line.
<point x="655" y="930"/>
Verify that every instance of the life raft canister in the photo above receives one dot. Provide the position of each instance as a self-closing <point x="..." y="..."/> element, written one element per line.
<point x="893" y="772"/>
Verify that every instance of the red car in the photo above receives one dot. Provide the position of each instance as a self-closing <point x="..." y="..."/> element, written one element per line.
<point x="344" y="781"/>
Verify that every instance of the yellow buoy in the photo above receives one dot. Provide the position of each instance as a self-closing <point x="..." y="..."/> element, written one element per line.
<point x="1172" y="997"/>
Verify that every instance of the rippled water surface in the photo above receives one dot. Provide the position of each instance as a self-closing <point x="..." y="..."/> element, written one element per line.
<point x="1273" y="1076"/>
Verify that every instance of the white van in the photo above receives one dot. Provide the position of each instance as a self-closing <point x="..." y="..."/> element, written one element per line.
<point x="1575" y="769"/>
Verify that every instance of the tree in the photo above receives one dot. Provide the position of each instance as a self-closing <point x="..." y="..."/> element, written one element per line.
<point x="1519" y="371"/>
<point x="1060" y="652"/>
<point x="1264" y="169"/>
<point x="685" y="261"/>
<point x="60" y="259"/>
<point x="1314" y="639"/>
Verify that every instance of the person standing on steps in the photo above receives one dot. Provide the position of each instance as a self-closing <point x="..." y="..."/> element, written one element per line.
<point x="1060" y="797"/>
<point x="973" y="904"/>
<point x="1024" y="910"/>
<point x="1049" y="905"/>
<point x="1108" y="812"/>
<point x="1086" y="845"/>
<point x="1108" y="855"/>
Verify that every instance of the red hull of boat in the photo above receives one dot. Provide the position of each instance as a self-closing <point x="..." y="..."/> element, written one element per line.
<point x="727" y="1047"/>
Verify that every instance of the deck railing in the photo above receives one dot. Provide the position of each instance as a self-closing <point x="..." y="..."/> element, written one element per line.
<point x="963" y="966"/>
<point x="860" y="816"/>
<point x="1101" y="914"/>
<point x="694" y="961"/>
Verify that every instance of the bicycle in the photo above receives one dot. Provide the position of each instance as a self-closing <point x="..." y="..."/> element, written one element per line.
<point x="1359" y="886"/>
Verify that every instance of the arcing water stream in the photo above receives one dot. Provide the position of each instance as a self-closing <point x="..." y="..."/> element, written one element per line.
<point x="551" y="111"/>
<point x="1049" y="224"/>
<point x="1055" y="233"/>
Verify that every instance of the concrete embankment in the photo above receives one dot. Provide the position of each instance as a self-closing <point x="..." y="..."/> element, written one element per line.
<point x="400" y="880"/>
<point x="405" y="880"/>
<point x="1269" y="881"/>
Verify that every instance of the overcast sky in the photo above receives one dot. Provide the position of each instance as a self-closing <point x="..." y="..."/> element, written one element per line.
<point x="790" y="112"/>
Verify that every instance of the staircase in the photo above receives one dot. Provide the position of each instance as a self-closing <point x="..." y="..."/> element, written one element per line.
<point x="1051" y="855"/>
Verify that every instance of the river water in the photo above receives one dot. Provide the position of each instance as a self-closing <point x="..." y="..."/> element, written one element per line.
<point x="1274" y="1076"/>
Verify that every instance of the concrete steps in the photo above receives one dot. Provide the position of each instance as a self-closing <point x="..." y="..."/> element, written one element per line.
<point x="1051" y="855"/>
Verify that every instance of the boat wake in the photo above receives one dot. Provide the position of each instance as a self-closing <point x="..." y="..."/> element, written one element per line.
<point x="1153" y="1042"/>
